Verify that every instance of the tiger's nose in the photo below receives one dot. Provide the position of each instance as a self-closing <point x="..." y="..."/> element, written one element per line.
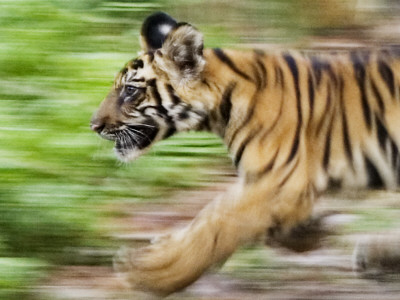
<point x="97" y="127"/>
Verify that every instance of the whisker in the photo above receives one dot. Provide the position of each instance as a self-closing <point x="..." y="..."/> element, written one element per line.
<point x="138" y="132"/>
<point x="144" y="125"/>
<point x="132" y="136"/>
<point x="130" y="139"/>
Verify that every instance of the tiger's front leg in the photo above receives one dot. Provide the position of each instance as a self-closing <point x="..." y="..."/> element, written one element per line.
<point x="239" y="216"/>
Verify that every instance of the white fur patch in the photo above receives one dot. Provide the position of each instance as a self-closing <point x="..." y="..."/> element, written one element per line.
<point x="164" y="28"/>
<point x="130" y="154"/>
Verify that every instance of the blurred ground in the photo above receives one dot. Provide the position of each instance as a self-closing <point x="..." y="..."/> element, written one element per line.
<point x="256" y="272"/>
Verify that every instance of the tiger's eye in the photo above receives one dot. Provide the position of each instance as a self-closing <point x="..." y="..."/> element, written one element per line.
<point x="130" y="90"/>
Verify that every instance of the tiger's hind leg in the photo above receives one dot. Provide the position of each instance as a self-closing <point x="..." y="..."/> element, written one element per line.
<point x="378" y="255"/>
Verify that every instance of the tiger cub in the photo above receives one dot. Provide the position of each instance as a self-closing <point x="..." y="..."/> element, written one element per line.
<point x="292" y="123"/>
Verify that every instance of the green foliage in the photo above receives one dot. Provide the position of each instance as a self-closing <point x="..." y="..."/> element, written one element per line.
<point x="17" y="275"/>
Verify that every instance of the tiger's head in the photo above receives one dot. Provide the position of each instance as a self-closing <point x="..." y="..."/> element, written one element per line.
<point x="148" y="102"/>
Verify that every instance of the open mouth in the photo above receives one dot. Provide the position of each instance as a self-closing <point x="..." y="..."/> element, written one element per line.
<point x="135" y="137"/>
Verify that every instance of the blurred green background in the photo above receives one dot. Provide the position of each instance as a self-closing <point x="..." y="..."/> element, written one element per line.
<point x="60" y="184"/>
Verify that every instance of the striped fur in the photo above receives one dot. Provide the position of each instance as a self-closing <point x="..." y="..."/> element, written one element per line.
<point x="293" y="124"/>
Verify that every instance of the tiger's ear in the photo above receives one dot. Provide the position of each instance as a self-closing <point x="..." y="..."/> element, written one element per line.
<point x="181" y="55"/>
<point x="154" y="31"/>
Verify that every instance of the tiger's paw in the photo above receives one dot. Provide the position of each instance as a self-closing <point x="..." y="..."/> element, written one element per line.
<point x="159" y="269"/>
<point x="143" y="271"/>
<point x="377" y="256"/>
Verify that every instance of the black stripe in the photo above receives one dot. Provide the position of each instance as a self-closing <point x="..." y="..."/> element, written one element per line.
<point x="293" y="68"/>
<point x="326" y="109"/>
<point x="151" y="82"/>
<point x="259" y="52"/>
<point x="138" y="79"/>
<point x="226" y="103"/>
<point x="383" y="138"/>
<point x="284" y="180"/>
<point x="381" y="133"/>
<point x="317" y="66"/>
<point x="246" y="120"/>
<point x="335" y="183"/>
<point x="374" y="178"/>
<point x="205" y="124"/>
<point x="168" y="120"/>
<point x="270" y="165"/>
<point x="366" y="109"/>
<point x="395" y="152"/>
<point x="360" y="74"/>
<point x="345" y="129"/>
<point x="311" y="93"/>
<point x="346" y="139"/>
<point x="213" y="118"/>
<point x="254" y="177"/>
<point x="395" y="159"/>
<point x="257" y="77"/>
<point x="157" y="97"/>
<point x="264" y="76"/>
<point x="171" y="130"/>
<point x="174" y="98"/>
<point x="327" y="150"/>
<point x="295" y="146"/>
<point x="242" y="147"/>
<point x="387" y="76"/>
<point x="225" y="59"/>
<point x="295" y="72"/>
<point x="378" y="97"/>
<point x="205" y="82"/>
<point x="163" y="112"/>
<point x="184" y="114"/>
<point x="151" y="56"/>
<point x="275" y="122"/>
<point x="279" y="77"/>
<point x="316" y="69"/>
<point x="137" y="64"/>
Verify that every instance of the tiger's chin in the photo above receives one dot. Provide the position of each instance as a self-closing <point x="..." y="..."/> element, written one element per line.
<point x="135" y="141"/>
<point x="128" y="155"/>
